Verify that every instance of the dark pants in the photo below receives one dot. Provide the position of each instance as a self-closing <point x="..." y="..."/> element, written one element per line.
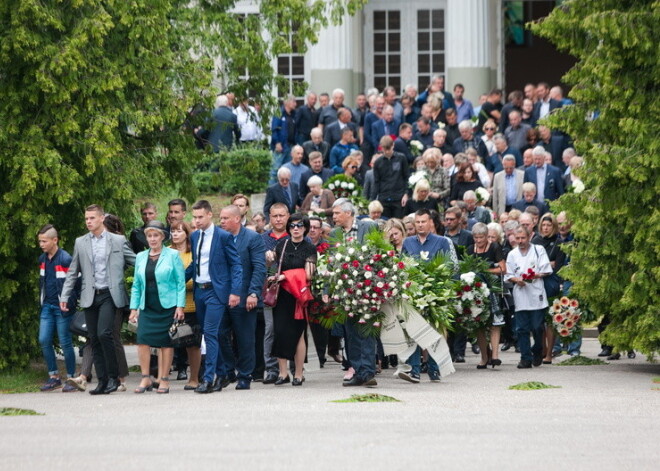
<point x="210" y="311"/>
<point x="392" y="208"/>
<point x="320" y="335"/>
<point x="361" y="352"/>
<point x="526" y="322"/>
<point x="457" y="341"/>
<point x="242" y="323"/>
<point x="100" y="318"/>
<point x="259" y="332"/>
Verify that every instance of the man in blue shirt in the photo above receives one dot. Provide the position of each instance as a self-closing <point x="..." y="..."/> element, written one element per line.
<point x="425" y="245"/>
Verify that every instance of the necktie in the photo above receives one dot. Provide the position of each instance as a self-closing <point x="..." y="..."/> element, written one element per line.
<point x="199" y="253"/>
<point x="287" y="197"/>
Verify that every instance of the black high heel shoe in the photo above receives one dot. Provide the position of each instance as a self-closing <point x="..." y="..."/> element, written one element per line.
<point x="297" y="382"/>
<point x="495" y="362"/>
<point x="482" y="367"/>
<point x="281" y="380"/>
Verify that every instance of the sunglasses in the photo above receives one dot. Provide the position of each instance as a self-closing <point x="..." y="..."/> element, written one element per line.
<point x="354" y="167"/>
<point x="299" y="225"/>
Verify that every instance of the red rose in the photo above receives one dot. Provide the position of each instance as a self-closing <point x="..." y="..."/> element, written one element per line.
<point x="344" y="266"/>
<point x="401" y="265"/>
<point x="466" y="310"/>
<point x="391" y="253"/>
<point x="530" y="271"/>
<point x="377" y="257"/>
<point x="459" y="293"/>
<point x="359" y="285"/>
<point x="478" y="284"/>
<point x="350" y="291"/>
<point x="380" y="274"/>
<point x="356" y="263"/>
<point x="467" y="288"/>
<point x="368" y="267"/>
<point x="367" y="282"/>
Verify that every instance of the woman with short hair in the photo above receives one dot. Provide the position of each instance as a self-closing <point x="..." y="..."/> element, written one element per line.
<point x="421" y="198"/>
<point x="319" y="200"/>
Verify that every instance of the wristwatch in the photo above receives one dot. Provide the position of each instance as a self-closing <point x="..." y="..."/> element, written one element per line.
<point x="252" y="295"/>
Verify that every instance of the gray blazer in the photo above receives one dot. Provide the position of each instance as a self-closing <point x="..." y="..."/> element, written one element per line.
<point x="118" y="255"/>
<point x="499" y="189"/>
<point x="363" y="228"/>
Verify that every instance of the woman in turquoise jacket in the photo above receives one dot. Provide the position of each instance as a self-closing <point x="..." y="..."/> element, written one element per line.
<point x="157" y="298"/>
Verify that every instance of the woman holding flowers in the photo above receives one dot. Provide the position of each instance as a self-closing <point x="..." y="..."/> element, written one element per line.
<point x="490" y="252"/>
<point x="298" y="257"/>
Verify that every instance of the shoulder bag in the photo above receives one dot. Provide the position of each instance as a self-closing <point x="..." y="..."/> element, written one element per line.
<point x="272" y="288"/>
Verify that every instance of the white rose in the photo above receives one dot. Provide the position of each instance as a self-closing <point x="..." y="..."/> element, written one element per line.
<point x="367" y="316"/>
<point x="344" y="185"/>
<point x="351" y="282"/>
<point x="354" y="302"/>
<point x="358" y="292"/>
<point x="386" y="270"/>
<point x="351" y="186"/>
<point x="351" y="251"/>
<point x="331" y="186"/>
<point x="424" y="255"/>
<point x="367" y="274"/>
<point x="395" y="291"/>
<point x="355" y="273"/>
<point x="578" y="186"/>
<point x="394" y="277"/>
<point x="364" y="248"/>
<point x="380" y="284"/>
<point x="340" y="282"/>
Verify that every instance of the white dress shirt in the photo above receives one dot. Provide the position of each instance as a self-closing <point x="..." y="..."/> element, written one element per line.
<point x="203" y="260"/>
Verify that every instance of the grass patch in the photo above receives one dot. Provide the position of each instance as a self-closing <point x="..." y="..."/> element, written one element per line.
<point x="134" y="369"/>
<point x="16" y="411"/>
<point x="656" y="380"/>
<point x="28" y="380"/>
<point x="532" y="386"/>
<point x="579" y="360"/>
<point x="373" y="397"/>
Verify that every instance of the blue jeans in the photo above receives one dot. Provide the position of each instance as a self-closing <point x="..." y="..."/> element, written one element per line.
<point x="415" y="361"/>
<point x="51" y="318"/>
<point x="243" y="324"/>
<point x="361" y="352"/>
<point x="526" y="322"/>
<point x="210" y="311"/>
<point x="573" y="347"/>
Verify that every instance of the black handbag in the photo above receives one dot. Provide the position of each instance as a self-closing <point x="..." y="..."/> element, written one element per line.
<point x="183" y="335"/>
<point x="78" y="325"/>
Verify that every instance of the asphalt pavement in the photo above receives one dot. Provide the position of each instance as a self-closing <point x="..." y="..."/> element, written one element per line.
<point x="602" y="418"/>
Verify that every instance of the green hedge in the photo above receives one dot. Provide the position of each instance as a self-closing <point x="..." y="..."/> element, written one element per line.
<point x="240" y="170"/>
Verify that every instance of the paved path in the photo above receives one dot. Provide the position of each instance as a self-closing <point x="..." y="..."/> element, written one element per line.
<point x="603" y="418"/>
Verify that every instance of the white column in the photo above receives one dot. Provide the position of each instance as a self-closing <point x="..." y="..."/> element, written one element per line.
<point x="471" y="31"/>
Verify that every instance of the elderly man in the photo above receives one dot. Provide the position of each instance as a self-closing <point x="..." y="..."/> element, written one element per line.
<point x="361" y="350"/>
<point x="547" y="178"/>
<point x="306" y="118"/>
<point x="494" y="162"/>
<point x="328" y="114"/>
<point x="478" y="213"/>
<point x="516" y="131"/>
<point x="423" y="132"/>
<point x="440" y="142"/>
<point x="387" y="126"/>
<point x="283" y="192"/>
<point x="389" y="93"/>
<point x="332" y="133"/>
<point x="316" y="144"/>
<point x="529" y="295"/>
<point x="315" y="168"/>
<point x="296" y="166"/>
<point x="507" y="185"/>
<point x="468" y="139"/>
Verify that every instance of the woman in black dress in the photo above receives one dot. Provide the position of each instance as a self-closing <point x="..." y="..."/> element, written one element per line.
<point x="491" y="252"/>
<point x="421" y="198"/>
<point x="289" y="344"/>
<point x="466" y="179"/>
<point x="548" y="237"/>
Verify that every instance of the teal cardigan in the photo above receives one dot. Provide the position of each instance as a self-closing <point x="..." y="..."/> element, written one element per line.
<point x="170" y="278"/>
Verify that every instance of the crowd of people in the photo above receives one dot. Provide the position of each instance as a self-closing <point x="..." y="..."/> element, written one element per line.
<point x="440" y="175"/>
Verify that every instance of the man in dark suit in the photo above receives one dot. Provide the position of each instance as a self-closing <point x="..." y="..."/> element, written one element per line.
<point x="553" y="144"/>
<point x="494" y="162"/>
<point x="242" y="319"/>
<point x="333" y="131"/>
<point x="387" y="126"/>
<point x="315" y="168"/>
<point x="545" y="104"/>
<point x="468" y="139"/>
<point x="316" y="144"/>
<point x="217" y="275"/>
<point x="306" y="118"/>
<point x="100" y="257"/>
<point x="283" y="192"/>
<point x="547" y="178"/>
<point x="225" y="125"/>
<point x="361" y="350"/>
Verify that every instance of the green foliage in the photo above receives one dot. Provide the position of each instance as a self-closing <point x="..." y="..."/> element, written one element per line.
<point x="23" y="380"/>
<point x="95" y="108"/>
<point x="579" y="360"/>
<point x="532" y="386"/>
<point x="615" y="266"/>
<point x="16" y="411"/>
<point x="373" y="397"/>
<point x="244" y="170"/>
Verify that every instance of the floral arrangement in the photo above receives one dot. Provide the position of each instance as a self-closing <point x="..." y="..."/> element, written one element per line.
<point x="529" y="276"/>
<point x="361" y="278"/>
<point x="483" y="195"/>
<point x="416" y="148"/>
<point x="418" y="176"/>
<point x="566" y="314"/>
<point x="472" y="303"/>
<point x="343" y="186"/>
<point x="432" y="289"/>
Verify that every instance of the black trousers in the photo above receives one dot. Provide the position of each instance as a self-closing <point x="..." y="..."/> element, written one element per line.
<point x="259" y="333"/>
<point x="392" y="208"/>
<point x="100" y="318"/>
<point x="320" y="335"/>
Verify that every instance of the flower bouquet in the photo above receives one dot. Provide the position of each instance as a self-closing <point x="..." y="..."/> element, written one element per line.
<point x="566" y="315"/>
<point x="417" y="177"/>
<point x="416" y="148"/>
<point x="472" y="303"/>
<point x="529" y="276"/>
<point x="343" y="186"/>
<point x="483" y="195"/>
<point x="361" y="278"/>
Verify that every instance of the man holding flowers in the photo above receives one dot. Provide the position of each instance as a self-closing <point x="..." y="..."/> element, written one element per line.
<point x="526" y="265"/>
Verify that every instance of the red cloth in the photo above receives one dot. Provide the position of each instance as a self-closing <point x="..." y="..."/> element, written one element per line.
<point x="295" y="282"/>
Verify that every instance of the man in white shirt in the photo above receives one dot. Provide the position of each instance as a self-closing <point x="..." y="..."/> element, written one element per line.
<point x="526" y="265"/>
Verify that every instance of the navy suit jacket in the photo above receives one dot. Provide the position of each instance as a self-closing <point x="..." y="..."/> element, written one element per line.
<point x="225" y="267"/>
<point x="252" y="250"/>
<point x="225" y="128"/>
<point x="536" y="113"/>
<point x="332" y="132"/>
<point x="275" y="194"/>
<point x="378" y="131"/>
<point x="554" y="184"/>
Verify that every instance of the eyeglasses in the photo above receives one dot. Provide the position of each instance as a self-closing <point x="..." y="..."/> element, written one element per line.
<point x="490" y="129"/>
<point x="353" y="167"/>
<point x="299" y="225"/>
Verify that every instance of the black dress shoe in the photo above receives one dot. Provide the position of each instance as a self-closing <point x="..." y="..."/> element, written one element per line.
<point x="614" y="356"/>
<point x="218" y="384"/>
<point x="296" y="382"/>
<point x="100" y="388"/>
<point x="605" y="352"/>
<point x="538" y="361"/>
<point x="243" y="384"/>
<point x="270" y="378"/>
<point x="224" y="382"/>
<point x="475" y="349"/>
<point x="458" y="358"/>
<point x="113" y="385"/>
<point x="505" y="346"/>
<point x="524" y="364"/>
<point x="281" y="380"/>
<point x="182" y="375"/>
<point x="205" y="387"/>
<point x="354" y="381"/>
<point x="632" y="355"/>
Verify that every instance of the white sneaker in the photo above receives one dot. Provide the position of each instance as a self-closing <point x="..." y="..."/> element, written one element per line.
<point x="77" y="382"/>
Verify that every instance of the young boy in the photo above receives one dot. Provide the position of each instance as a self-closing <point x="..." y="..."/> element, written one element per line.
<point x="53" y="266"/>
